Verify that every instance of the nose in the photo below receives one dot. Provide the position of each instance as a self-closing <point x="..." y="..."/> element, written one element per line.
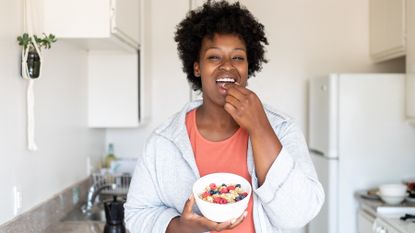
<point x="226" y="65"/>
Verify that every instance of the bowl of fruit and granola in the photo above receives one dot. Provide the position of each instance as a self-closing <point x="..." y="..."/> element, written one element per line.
<point x="222" y="196"/>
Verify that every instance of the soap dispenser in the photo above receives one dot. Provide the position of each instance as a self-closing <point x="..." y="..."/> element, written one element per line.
<point x="114" y="214"/>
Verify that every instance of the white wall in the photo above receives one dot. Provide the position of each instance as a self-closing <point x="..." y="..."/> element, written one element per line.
<point x="307" y="39"/>
<point x="62" y="135"/>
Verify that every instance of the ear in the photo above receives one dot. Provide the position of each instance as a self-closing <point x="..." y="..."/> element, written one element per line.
<point x="196" y="69"/>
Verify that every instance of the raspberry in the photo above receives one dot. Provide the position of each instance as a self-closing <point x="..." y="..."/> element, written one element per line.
<point x="212" y="186"/>
<point x="205" y="194"/>
<point x="223" y="190"/>
<point x="231" y="187"/>
<point x="223" y="201"/>
<point x="217" y="200"/>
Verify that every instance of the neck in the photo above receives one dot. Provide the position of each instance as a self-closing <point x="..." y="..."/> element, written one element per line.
<point x="215" y="118"/>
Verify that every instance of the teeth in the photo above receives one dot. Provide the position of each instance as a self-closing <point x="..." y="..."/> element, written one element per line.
<point x="225" y="80"/>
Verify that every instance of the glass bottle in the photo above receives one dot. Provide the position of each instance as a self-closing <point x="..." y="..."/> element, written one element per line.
<point x="110" y="156"/>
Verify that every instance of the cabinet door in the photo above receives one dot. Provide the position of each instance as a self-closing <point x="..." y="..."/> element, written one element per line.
<point x="364" y="222"/>
<point x="387" y="29"/>
<point x="126" y="19"/>
<point x="410" y="60"/>
<point x="74" y="18"/>
<point x="113" y="89"/>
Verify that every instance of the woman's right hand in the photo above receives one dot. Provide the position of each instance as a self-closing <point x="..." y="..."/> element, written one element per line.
<point x="190" y="222"/>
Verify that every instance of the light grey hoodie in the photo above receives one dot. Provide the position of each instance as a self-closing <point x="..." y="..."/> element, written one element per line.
<point x="162" y="182"/>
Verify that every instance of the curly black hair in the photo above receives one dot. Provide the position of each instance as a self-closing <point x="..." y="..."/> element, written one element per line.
<point x="222" y="18"/>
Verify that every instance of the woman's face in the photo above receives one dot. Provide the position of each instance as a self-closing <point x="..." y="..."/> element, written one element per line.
<point x="223" y="59"/>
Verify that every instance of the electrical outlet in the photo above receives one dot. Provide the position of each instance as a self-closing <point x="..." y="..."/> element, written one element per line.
<point x="18" y="197"/>
<point x="88" y="166"/>
<point x="75" y="195"/>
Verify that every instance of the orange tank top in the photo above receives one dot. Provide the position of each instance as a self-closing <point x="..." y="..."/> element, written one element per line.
<point x="228" y="155"/>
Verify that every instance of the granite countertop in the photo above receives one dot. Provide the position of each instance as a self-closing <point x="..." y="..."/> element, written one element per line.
<point x="76" y="227"/>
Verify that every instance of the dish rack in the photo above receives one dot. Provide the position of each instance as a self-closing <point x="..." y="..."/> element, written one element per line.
<point x="118" y="184"/>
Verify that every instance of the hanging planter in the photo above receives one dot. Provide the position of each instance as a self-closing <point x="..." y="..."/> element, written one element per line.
<point x="31" y="58"/>
<point x="31" y="67"/>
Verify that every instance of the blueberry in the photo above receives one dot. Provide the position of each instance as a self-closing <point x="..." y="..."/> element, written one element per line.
<point x="211" y="192"/>
<point x="224" y="185"/>
<point x="238" y="186"/>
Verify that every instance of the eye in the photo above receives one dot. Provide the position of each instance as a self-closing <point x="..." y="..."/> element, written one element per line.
<point x="238" y="58"/>
<point x="213" y="58"/>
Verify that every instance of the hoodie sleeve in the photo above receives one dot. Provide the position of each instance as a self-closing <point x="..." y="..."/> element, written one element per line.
<point x="144" y="211"/>
<point x="291" y="194"/>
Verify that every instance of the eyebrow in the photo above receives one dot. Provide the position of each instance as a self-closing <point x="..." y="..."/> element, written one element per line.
<point x="213" y="47"/>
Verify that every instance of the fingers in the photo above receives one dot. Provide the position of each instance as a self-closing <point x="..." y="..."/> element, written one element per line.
<point x="189" y="205"/>
<point x="236" y="91"/>
<point x="219" y="226"/>
<point x="236" y="87"/>
<point x="228" y="224"/>
<point x="233" y="101"/>
<point x="238" y="221"/>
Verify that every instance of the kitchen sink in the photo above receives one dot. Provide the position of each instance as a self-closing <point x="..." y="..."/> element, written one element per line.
<point x="96" y="213"/>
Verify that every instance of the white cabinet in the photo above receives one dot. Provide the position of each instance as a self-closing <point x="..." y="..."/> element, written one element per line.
<point x="410" y="60"/>
<point x="110" y="31"/>
<point x="96" y="24"/>
<point x="383" y="226"/>
<point x="364" y="222"/>
<point x="113" y="90"/>
<point x="118" y="85"/>
<point x="387" y="29"/>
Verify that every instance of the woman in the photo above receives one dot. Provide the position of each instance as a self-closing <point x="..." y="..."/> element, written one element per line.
<point x="221" y="45"/>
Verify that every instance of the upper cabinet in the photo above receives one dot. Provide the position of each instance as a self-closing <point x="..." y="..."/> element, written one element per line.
<point x="387" y="29"/>
<point x="95" y="24"/>
<point x="109" y="30"/>
<point x="410" y="60"/>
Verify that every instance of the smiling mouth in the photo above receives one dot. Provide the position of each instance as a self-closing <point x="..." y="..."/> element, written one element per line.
<point x="225" y="80"/>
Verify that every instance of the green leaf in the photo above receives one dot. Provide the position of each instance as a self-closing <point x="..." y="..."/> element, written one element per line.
<point x="45" y="41"/>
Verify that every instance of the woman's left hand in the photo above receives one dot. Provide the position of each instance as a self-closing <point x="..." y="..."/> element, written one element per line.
<point x="245" y="107"/>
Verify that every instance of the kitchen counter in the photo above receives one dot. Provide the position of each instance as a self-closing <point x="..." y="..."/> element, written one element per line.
<point x="388" y="215"/>
<point x="76" y="227"/>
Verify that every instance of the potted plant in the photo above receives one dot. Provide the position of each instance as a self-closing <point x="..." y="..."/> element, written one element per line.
<point x="30" y="53"/>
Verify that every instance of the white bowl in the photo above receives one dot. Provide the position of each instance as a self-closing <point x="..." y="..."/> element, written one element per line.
<point x="393" y="190"/>
<point x="392" y="200"/>
<point x="221" y="212"/>
<point x="410" y="199"/>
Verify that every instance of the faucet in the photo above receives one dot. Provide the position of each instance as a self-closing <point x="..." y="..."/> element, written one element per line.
<point x="93" y="193"/>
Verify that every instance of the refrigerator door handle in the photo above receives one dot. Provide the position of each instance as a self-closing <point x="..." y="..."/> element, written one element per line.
<point x="316" y="152"/>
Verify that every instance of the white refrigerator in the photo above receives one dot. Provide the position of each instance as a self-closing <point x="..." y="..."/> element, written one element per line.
<point x="358" y="138"/>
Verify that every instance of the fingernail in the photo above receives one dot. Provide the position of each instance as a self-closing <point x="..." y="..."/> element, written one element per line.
<point x="245" y="214"/>
<point x="233" y="221"/>
<point x="237" y="83"/>
<point x="191" y="195"/>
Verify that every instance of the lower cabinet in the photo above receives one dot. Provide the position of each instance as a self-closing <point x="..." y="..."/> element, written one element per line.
<point x="365" y="222"/>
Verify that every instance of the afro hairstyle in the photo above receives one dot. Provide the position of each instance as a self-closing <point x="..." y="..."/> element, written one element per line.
<point x="221" y="18"/>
